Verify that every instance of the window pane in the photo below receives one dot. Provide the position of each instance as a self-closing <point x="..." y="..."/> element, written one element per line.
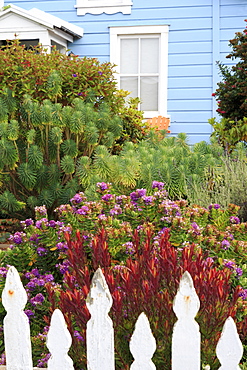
<point x="130" y="84"/>
<point x="129" y="56"/>
<point x="149" y="55"/>
<point x="149" y="93"/>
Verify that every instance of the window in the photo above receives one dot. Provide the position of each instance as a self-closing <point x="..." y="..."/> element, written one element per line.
<point x="103" y="6"/>
<point x="141" y="56"/>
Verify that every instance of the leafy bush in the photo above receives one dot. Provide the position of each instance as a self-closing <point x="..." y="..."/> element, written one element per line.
<point x="232" y="90"/>
<point x="143" y="242"/>
<point x="231" y="95"/>
<point x="226" y="183"/>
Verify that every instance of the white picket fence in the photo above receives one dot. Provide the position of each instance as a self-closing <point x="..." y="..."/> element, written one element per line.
<point x="100" y="335"/>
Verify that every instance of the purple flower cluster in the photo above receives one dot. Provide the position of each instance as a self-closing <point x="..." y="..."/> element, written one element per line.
<point x="232" y="266"/>
<point x="102" y="185"/>
<point x="84" y="210"/>
<point x="214" y="206"/>
<point x="225" y="244"/>
<point x="234" y="220"/>
<point x="43" y="361"/>
<point x="37" y="280"/>
<point x="78" y="336"/>
<point x="42" y="223"/>
<point x="107" y="197"/>
<point x="243" y="294"/>
<point x="129" y="248"/>
<point x="27" y="222"/>
<point x="37" y="300"/>
<point x="17" y="238"/>
<point x="77" y="198"/>
<point x="41" y="211"/>
<point x="117" y="210"/>
<point x="158" y="185"/>
<point x="139" y="193"/>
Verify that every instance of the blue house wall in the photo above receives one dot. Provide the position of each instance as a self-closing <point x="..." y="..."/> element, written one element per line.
<point x="199" y="32"/>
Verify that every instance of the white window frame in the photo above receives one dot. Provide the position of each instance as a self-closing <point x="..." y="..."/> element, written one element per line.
<point x="103" y="6"/>
<point x="162" y="31"/>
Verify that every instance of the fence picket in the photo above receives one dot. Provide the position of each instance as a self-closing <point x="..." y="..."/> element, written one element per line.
<point x="186" y="337"/>
<point x="229" y="348"/>
<point x="59" y="348"/>
<point x="142" y="345"/>
<point x="16" y="326"/>
<point x="100" y="336"/>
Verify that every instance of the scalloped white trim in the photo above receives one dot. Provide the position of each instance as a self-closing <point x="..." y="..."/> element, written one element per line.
<point x="103" y="6"/>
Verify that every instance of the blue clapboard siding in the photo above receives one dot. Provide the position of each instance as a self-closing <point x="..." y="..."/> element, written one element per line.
<point x="199" y="32"/>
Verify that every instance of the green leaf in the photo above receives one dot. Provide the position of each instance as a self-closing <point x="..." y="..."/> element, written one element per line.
<point x="35" y="156"/>
<point x="9" y="203"/>
<point x="27" y="175"/>
<point x="68" y="165"/>
<point x="69" y="148"/>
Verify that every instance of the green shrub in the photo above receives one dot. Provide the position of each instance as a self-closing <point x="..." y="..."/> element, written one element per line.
<point x="232" y="90"/>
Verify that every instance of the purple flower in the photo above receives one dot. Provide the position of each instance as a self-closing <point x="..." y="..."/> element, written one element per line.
<point x="63" y="267"/>
<point x="29" y="313"/>
<point x="243" y="294"/>
<point x="148" y="199"/>
<point x="48" y="278"/>
<point x="129" y="248"/>
<point x="41" y="210"/>
<point x="239" y="272"/>
<point x="17" y="237"/>
<point x="62" y="246"/>
<point x="77" y="198"/>
<point x="100" y="73"/>
<point x="102" y="217"/>
<point x="158" y="185"/>
<point x="35" y="272"/>
<point x="139" y="193"/>
<point x="34" y="238"/>
<point x="229" y="264"/>
<point x="78" y="336"/>
<point x="38" y="299"/>
<point x="225" y="244"/>
<point x="102" y="185"/>
<point x="117" y="210"/>
<point x="43" y="361"/>
<point x="52" y="223"/>
<point x="42" y="251"/>
<point x="107" y="197"/>
<point x="41" y="223"/>
<point x="74" y="75"/>
<point x="83" y="210"/>
<point x="215" y="206"/>
<point x="27" y="222"/>
<point x="234" y="220"/>
<point x="3" y="271"/>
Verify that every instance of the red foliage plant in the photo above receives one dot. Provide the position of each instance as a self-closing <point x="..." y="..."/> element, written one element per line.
<point x="147" y="282"/>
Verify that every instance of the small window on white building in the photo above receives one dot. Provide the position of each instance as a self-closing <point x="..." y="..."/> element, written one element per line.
<point x="33" y="27"/>
<point x="141" y="56"/>
<point x="103" y="6"/>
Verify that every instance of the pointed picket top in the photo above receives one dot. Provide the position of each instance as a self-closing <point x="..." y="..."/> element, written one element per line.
<point x="186" y="303"/>
<point x="59" y="342"/>
<point x="16" y="326"/>
<point x="100" y="335"/>
<point x="229" y="349"/>
<point x="186" y="338"/>
<point x="99" y="299"/>
<point x="14" y="296"/>
<point x="142" y="345"/>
